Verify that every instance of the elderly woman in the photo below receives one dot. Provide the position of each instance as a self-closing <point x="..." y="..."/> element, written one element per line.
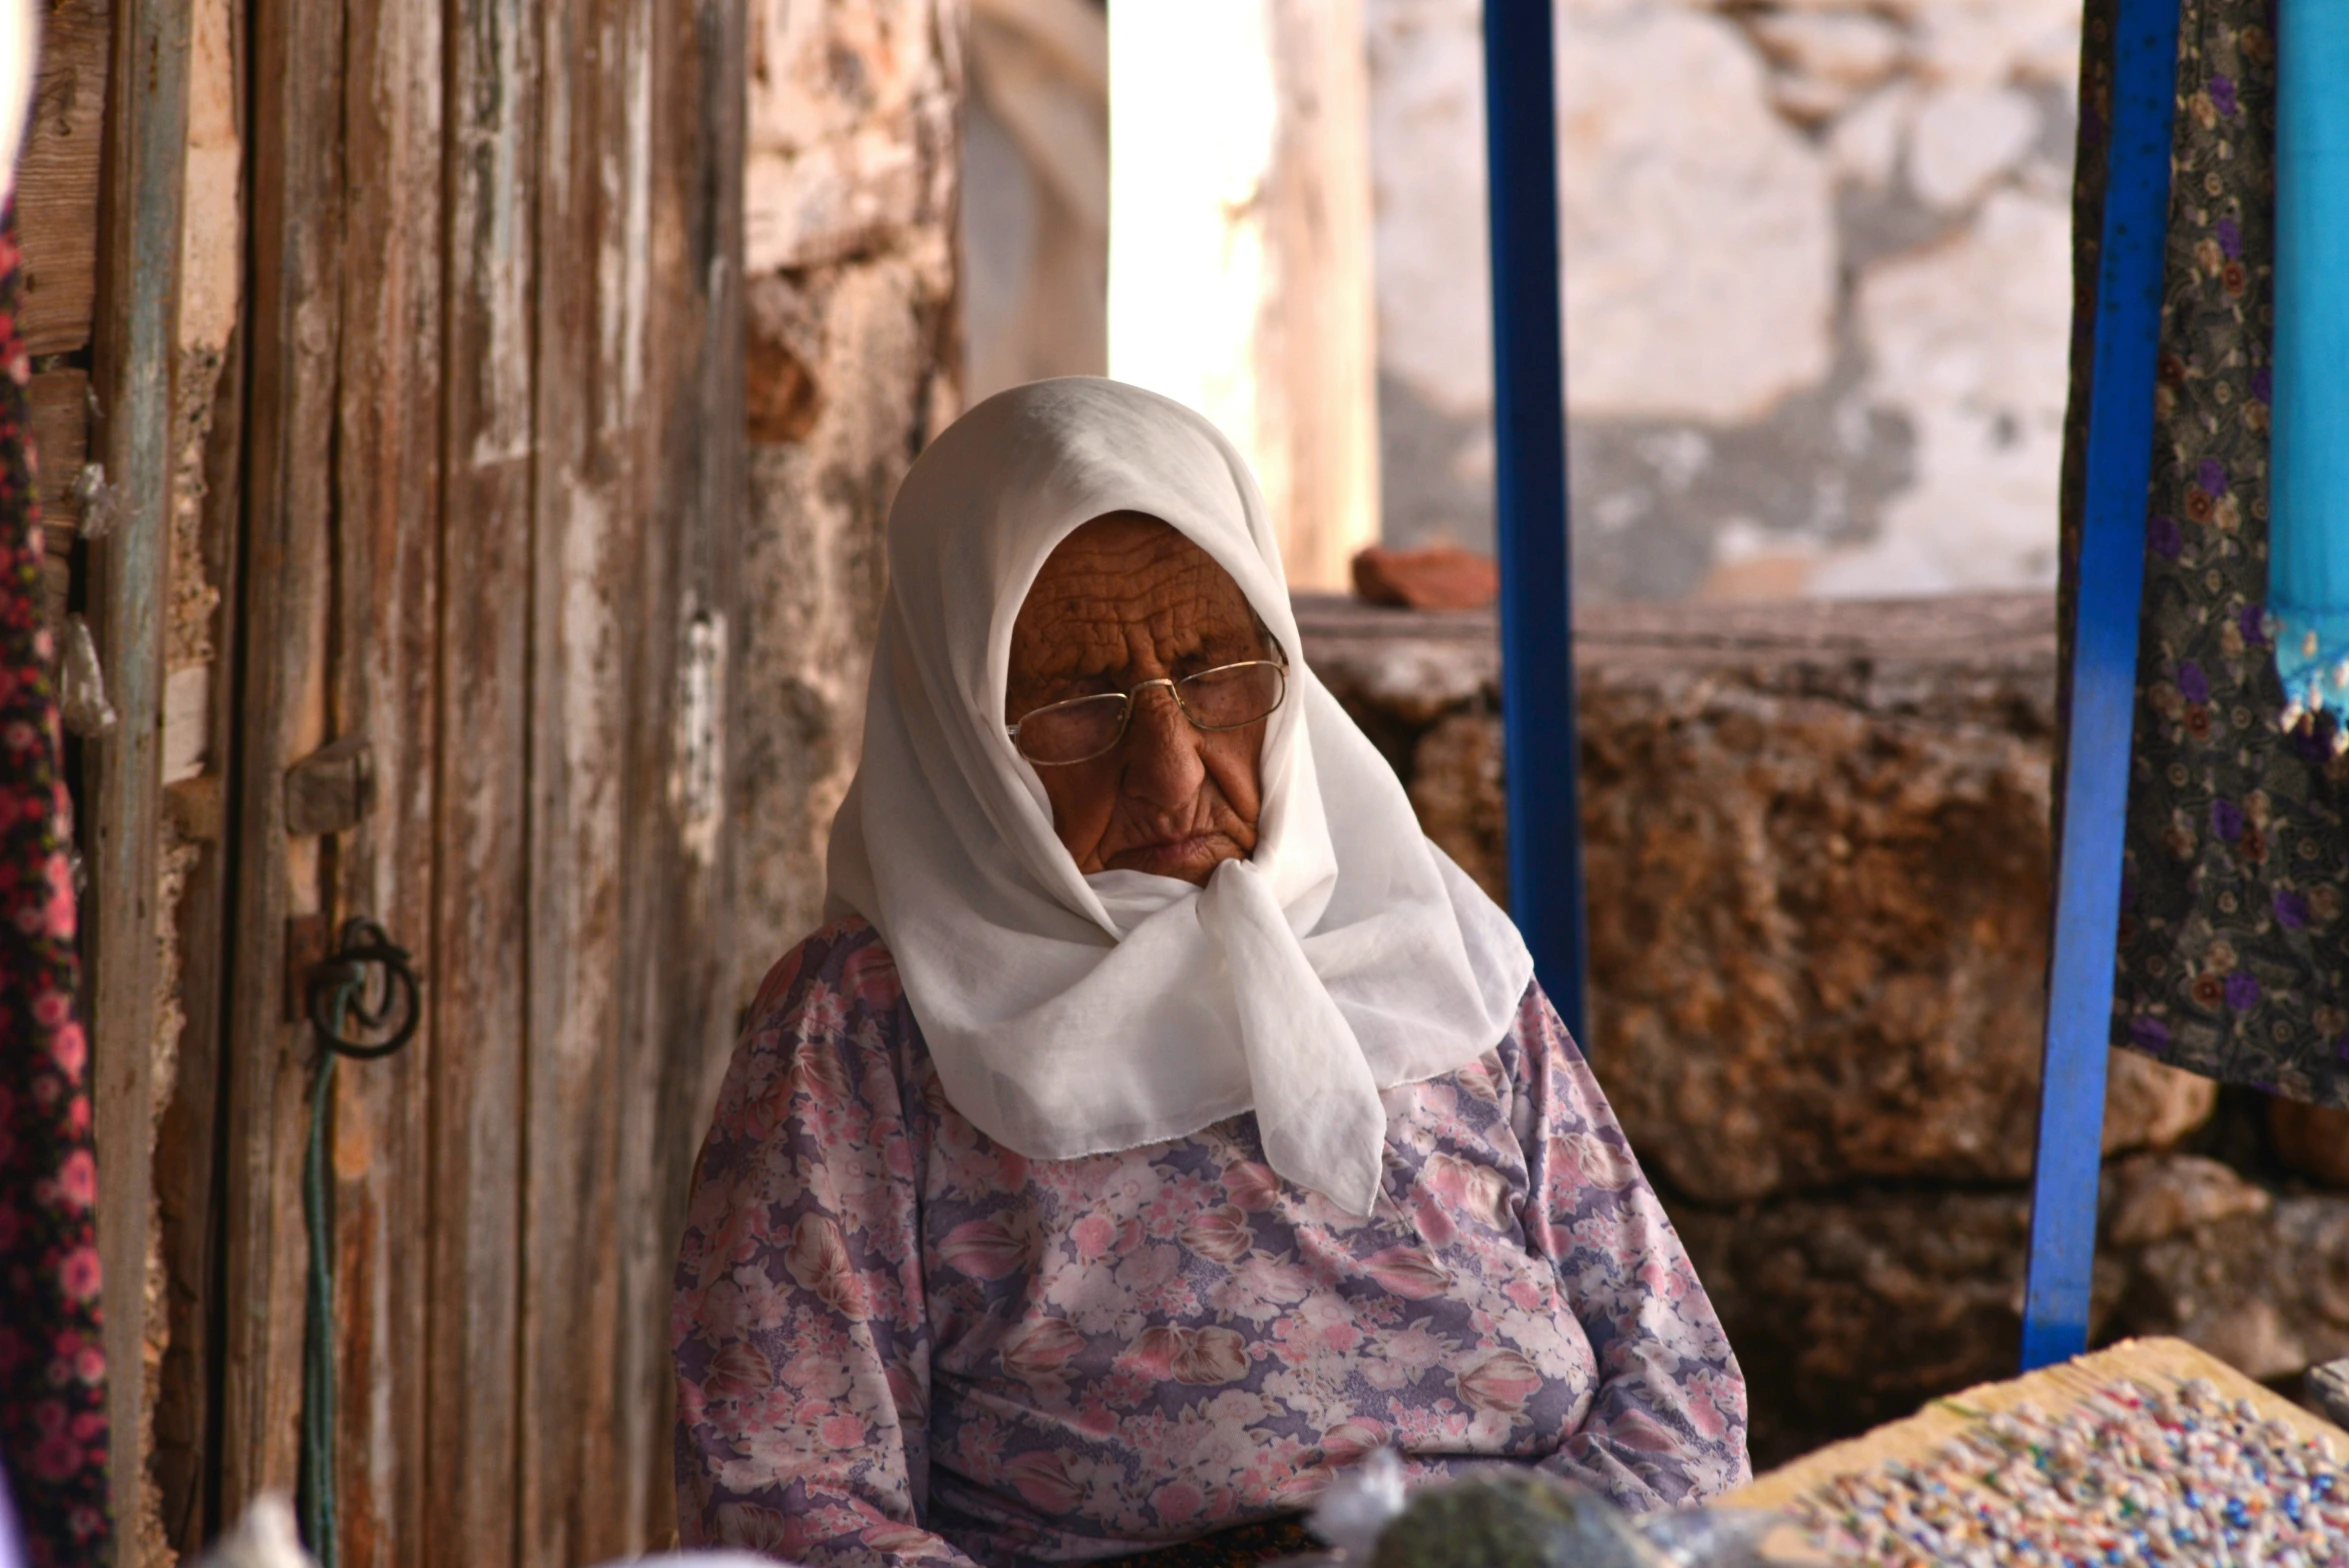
<point x="1162" y="1122"/>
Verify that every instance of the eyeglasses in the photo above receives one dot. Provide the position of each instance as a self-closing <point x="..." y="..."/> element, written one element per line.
<point x="1228" y="697"/>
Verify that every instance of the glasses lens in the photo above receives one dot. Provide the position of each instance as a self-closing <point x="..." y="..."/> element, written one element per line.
<point x="1072" y="731"/>
<point x="1237" y="694"/>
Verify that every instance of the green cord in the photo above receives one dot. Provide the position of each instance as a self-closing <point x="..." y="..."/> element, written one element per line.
<point x="317" y="1475"/>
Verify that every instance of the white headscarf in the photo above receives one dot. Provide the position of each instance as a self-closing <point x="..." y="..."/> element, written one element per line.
<point x="1073" y="1015"/>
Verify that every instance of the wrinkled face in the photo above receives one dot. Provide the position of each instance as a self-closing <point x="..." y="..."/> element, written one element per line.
<point x="1126" y="599"/>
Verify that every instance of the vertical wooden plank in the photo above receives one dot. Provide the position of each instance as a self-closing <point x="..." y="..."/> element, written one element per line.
<point x="589" y="513"/>
<point x="282" y="609"/>
<point x="58" y="175"/>
<point x="188" y="1134"/>
<point x="638" y="402"/>
<point x="188" y="1138"/>
<point x="1317" y="335"/>
<point x="386" y="687"/>
<point x="680" y="891"/>
<point x="478" y="950"/>
<point x="136" y="349"/>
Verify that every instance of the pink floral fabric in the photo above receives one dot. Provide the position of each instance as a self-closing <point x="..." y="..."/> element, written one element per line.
<point x="53" y="1441"/>
<point x="897" y="1341"/>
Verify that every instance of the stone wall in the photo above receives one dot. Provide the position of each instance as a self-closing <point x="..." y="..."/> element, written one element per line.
<point x="852" y="365"/>
<point x="1816" y="278"/>
<point x="1818" y="859"/>
<point x="1817" y="273"/>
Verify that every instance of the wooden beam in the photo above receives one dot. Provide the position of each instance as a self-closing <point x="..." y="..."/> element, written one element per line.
<point x="192" y="1124"/>
<point x="136" y="351"/>
<point x="386" y="689"/>
<point x="594" y="419"/>
<point x="297" y="196"/>
<point x="478" y="947"/>
<point x="681" y="890"/>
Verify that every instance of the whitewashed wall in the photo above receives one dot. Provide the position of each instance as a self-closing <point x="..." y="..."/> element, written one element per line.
<point x="1817" y="288"/>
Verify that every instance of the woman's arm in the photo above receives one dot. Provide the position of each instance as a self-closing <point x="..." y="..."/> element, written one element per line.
<point x="1667" y="1426"/>
<point x="799" y="1328"/>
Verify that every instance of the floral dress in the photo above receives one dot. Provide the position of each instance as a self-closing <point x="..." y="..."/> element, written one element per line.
<point x="898" y="1341"/>
<point x="53" y="1439"/>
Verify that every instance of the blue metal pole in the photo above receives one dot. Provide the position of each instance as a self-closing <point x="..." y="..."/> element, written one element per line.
<point x="1529" y="432"/>
<point x="2104" y="683"/>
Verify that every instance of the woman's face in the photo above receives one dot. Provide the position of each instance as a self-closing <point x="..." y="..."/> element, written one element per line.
<point x="1126" y="599"/>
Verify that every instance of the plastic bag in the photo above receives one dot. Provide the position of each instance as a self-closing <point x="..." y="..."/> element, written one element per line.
<point x="1506" y="1516"/>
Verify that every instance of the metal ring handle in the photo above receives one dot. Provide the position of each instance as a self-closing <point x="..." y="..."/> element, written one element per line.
<point x="364" y="943"/>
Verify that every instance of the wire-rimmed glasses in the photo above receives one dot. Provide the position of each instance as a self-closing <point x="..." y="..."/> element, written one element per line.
<point x="1228" y="697"/>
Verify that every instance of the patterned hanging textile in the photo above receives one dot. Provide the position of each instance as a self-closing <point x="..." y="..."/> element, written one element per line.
<point x="52" y="1361"/>
<point x="2233" y="954"/>
<point x="2308" y="565"/>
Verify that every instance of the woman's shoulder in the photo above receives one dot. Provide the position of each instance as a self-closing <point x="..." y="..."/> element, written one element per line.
<point x="844" y="958"/>
<point x="830" y="1018"/>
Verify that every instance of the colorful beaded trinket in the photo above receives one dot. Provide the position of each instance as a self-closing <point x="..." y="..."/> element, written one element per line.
<point x="2130" y="1475"/>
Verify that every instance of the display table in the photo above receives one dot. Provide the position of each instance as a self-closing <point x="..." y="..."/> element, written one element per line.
<point x="2150" y="1451"/>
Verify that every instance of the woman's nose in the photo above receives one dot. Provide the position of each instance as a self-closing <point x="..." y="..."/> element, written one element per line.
<point x="1163" y="766"/>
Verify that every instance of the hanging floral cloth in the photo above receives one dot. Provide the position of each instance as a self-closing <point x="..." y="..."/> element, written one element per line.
<point x="2308" y="560"/>
<point x="2233" y="954"/>
<point x="52" y="1364"/>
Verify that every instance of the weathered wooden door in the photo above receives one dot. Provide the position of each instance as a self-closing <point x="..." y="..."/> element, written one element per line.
<point x="491" y="482"/>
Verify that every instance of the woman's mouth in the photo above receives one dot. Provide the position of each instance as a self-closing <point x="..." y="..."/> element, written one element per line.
<point x="1187" y="855"/>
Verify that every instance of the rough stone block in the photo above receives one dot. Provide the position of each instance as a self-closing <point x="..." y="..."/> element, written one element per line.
<point x="1966" y="137"/>
<point x="2153" y="1198"/>
<point x="1856" y="1308"/>
<point x="2264" y="1287"/>
<point x="1817" y="850"/>
<point x="1826" y="59"/>
<point x="1699" y="224"/>
<point x="1847" y="1312"/>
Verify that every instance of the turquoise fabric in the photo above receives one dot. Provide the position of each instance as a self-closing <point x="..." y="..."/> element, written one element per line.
<point x="2308" y="562"/>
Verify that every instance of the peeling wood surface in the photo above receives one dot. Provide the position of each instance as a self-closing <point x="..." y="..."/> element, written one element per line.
<point x="58" y="177"/>
<point x="477" y="947"/>
<point x="136" y="348"/>
<point x="61" y="434"/>
<point x="590" y="513"/>
<point x="289" y="418"/>
<point x="189" y="1133"/>
<point x="388" y="518"/>
<point x="495" y="458"/>
<point x="678" y="917"/>
<point x="638" y="477"/>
